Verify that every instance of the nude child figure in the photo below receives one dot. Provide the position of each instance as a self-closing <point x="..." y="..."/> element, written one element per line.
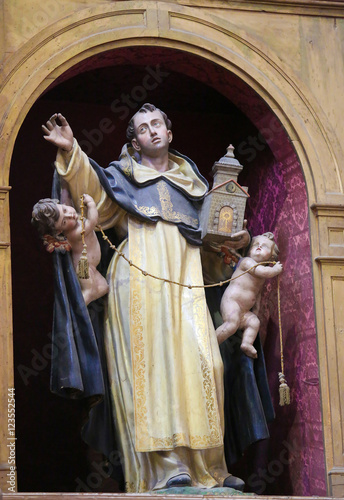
<point x="52" y="218"/>
<point x="241" y="301"/>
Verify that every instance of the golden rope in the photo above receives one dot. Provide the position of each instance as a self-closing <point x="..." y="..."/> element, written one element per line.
<point x="83" y="266"/>
<point x="280" y="323"/>
<point x="146" y="273"/>
<point x="82" y="218"/>
<point x="284" y="390"/>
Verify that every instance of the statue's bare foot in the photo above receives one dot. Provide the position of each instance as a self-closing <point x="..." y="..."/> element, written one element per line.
<point x="249" y="350"/>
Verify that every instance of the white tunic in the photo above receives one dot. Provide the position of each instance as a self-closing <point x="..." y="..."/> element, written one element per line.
<point x="163" y="359"/>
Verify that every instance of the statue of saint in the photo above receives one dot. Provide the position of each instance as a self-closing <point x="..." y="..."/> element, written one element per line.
<point x="162" y="356"/>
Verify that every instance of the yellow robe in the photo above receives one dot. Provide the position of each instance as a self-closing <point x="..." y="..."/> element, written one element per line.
<point x="164" y="363"/>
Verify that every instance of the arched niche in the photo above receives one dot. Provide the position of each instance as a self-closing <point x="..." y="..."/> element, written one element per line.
<point x="98" y="97"/>
<point x="93" y="32"/>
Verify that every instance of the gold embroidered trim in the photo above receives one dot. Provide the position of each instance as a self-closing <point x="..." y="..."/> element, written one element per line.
<point x="167" y="212"/>
<point x="167" y="207"/>
<point x="180" y="439"/>
<point x="207" y="365"/>
<point x="148" y="210"/>
<point x="137" y="353"/>
<point x="126" y="166"/>
<point x="127" y="170"/>
<point x="130" y="487"/>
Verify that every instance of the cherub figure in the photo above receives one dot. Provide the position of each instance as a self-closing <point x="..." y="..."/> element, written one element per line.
<point x="52" y="218"/>
<point x="241" y="301"/>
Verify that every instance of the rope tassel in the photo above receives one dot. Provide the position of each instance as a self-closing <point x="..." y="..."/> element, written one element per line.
<point x="83" y="267"/>
<point x="83" y="271"/>
<point x="284" y="390"/>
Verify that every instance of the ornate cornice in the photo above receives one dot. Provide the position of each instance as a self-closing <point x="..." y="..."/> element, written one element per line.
<point x="329" y="259"/>
<point x="324" y="8"/>
<point x="327" y="210"/>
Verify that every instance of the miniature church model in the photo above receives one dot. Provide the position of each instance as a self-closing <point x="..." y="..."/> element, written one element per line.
<point x="224" y="206"/>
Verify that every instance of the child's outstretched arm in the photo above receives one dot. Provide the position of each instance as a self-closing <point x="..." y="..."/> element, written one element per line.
<point x="92" y="214"/>
<point x="267" y="271"/>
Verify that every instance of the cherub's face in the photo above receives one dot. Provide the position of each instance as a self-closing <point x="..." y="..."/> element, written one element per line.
<point x="261" y="249"/>
<point x="68" y="219"/>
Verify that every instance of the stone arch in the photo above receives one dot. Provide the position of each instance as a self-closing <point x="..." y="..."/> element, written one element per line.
<point x="40" y="62"/>
<point x="58" y="47"/>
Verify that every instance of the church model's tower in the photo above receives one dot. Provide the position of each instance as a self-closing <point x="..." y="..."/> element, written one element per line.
<point x="224" y="208"/>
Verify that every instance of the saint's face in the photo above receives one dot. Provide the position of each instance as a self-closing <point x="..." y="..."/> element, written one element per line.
<point x="152" y="137"/>
<point x="68" y="219"/>
<point x="261" y="249"/>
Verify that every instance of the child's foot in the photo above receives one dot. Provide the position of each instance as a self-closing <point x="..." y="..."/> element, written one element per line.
<point x="249" y="350"/>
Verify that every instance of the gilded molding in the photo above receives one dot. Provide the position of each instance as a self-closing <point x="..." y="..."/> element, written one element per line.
<point x="336" y="470"/>
<point x="324" y="8"/>
<point x="325" y="210"/>
<point x="329" y="259"/>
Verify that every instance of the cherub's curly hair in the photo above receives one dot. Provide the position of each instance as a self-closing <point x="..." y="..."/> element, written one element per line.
<point x="275" y="249"/>
<point x="144" y="109"/>
<point x="44" y="216"/>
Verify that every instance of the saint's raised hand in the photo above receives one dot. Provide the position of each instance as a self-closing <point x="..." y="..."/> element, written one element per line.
<point x="61" y="135"/>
